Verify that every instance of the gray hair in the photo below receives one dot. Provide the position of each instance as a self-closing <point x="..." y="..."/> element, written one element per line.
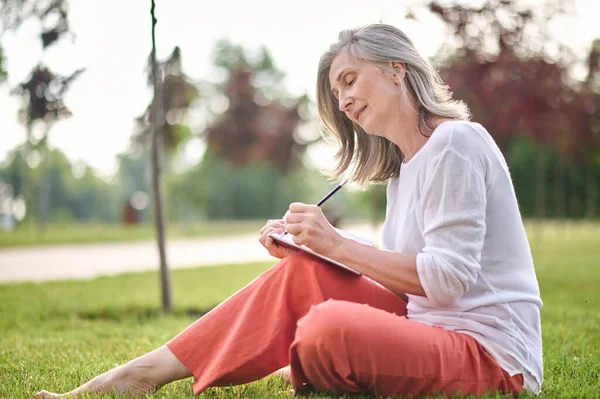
<point x="376" y="159"/>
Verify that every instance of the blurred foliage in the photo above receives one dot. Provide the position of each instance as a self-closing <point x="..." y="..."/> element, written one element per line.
<point x="517" y="82"/>
<point x="592" y="81"/>
<point x="2" y="62"/>
<point x="513" y="86"/>
<point x="178" y="93"/>
<point x="43" y="92"/>
<point x="51" y="14"/>
<point x="267" y="79"/>
<point x="42" y="96"/>
<point x="134" y="173"/>
<point x="42" y="105"/>
<point x="253" y="166"/>
<point x="499" y="58"/>
<point x="216" y="189"/>
<point x="74" y="191"/>
<point x="258" y="120"/>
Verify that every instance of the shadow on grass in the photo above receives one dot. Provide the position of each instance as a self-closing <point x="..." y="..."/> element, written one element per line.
<point x="138" y="313"/>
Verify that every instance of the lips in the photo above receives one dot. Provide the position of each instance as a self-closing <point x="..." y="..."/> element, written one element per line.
<point x="358" y="113"/>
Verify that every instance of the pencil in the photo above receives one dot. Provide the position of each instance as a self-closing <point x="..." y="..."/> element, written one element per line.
<point x="326" y="197"/>
<point x="330" y="194"/>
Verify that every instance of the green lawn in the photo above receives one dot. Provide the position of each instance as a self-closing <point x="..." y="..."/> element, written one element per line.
<point x="58" y="335"/>
<point x="87" y="233"/>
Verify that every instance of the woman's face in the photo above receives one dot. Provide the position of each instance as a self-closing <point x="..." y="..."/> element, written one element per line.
<point x="365" y="93"/>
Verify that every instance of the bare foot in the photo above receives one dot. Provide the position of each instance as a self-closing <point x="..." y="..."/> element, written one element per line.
<point x="136" y="378"/>
<point x="284" y="373"/>
<point x="125" y="379"/>
<point x="46" y="394"/>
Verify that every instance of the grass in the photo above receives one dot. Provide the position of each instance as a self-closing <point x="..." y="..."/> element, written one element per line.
<point x="58" y="335"/>
<point x="81" y="233"/>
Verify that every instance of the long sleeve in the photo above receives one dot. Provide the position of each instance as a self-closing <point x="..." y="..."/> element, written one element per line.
<point x="453" y="206"/>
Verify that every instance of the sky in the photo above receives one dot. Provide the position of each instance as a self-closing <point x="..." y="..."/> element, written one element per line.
<point x="112" y="41"/>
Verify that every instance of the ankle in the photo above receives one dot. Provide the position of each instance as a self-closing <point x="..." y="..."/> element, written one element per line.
<point x="139" y="375"/>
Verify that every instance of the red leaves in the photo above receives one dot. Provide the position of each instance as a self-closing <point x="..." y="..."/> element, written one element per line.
<point x="519" y="90"/>
<point x="249" y="132"/>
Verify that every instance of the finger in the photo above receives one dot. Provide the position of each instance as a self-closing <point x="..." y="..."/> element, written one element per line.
<point x="294" y="228"/>
<point x="294" y="218"/>
<point x="298" y="207"/>
<point x="269" y="240"/>
<point x="262" y="229"/>
<point x="271" y="223"/>
<point x="264" y="235"/>
<point x="279" y="251"/>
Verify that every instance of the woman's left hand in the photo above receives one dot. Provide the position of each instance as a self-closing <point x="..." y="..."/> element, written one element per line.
<point x="309" y="227"/>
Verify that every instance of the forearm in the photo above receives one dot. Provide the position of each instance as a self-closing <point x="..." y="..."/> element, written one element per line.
<point x="396" y="271"/>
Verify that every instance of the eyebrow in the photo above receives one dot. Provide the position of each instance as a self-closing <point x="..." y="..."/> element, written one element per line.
<point x="339" y="77"/>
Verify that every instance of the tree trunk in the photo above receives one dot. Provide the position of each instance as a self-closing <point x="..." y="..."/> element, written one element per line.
<point x="156" y="159"/>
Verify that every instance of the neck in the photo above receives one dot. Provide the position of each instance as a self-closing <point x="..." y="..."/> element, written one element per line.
<point x="404" y="131"/>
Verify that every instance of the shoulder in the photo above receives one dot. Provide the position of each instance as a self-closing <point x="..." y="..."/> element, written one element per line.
<point x="459" y="146"/>
<point x="462" y="137"/>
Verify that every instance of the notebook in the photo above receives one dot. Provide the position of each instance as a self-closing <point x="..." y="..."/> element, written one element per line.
<point x="287" y="240"/>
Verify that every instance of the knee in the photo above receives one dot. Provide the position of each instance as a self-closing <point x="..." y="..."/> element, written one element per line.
<point x="321" y="329"/>
<point x="299" y="264"/>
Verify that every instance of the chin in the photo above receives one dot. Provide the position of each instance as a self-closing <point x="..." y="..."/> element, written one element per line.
<point x="365" y="129"/>
<point x="369" y="129"/>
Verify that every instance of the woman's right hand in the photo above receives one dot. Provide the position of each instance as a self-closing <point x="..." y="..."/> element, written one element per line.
<point x="274" y="226"/>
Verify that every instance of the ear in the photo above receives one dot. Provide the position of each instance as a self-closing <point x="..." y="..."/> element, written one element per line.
<point x="399" y="71"/>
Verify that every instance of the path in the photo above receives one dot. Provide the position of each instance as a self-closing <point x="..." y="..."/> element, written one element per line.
<point x="73" y="262"/>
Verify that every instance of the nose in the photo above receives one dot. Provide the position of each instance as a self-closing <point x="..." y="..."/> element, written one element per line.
<point x="344" y="103"/>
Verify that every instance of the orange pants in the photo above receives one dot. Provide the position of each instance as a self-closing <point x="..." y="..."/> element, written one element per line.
<point x="339" y="332"/>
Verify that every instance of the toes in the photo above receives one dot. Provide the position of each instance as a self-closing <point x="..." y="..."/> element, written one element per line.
<point x="46" y="394"/>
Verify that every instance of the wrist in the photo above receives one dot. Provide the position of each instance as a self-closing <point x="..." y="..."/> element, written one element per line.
<point x="340" y="248"/>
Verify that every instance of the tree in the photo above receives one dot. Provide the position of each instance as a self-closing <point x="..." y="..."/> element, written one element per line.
<point x="43" y="92"/>
<point x="77" y="193"/>
<point x="42" y="96"/>
<point x="518" y="87"/>
<point x="253" y="165"/>
<point x="592" y="108"/>
<point x="157" y="147"/>
<point x="254" y="127"/>
<point x="178" y="93"/>
<point x="249" y="131"/>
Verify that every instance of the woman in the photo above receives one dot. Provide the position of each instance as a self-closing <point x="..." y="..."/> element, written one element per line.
<point x="455" y="248"/>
